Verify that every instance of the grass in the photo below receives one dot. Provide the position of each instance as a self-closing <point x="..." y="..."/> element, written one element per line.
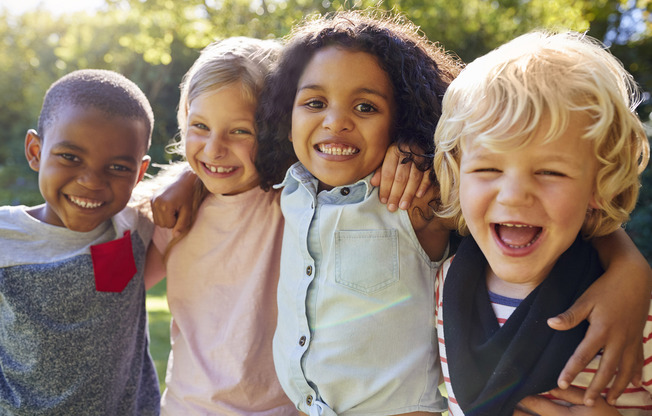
<point x="159" y="329"/>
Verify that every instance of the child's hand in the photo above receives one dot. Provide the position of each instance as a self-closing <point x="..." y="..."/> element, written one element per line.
<point x="172" y="205"/>
<point x="399" y="182"/>
<point x="537" y="405"/>
<point x="616" y="306"/>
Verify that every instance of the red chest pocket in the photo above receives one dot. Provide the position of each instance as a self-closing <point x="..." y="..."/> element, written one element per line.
<point x="113" y="264"/>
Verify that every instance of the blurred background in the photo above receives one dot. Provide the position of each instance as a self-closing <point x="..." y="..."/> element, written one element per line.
<point x="154" y="42"/>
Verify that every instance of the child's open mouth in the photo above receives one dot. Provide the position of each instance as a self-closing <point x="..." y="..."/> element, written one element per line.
<point x="337" y="149"/>
<point x="517" y="235"/>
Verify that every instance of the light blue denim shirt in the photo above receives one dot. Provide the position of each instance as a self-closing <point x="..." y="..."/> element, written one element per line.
<point x="356" y="332"/>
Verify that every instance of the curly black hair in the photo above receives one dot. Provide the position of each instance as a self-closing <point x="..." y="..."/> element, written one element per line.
<point x="420" y="72"/>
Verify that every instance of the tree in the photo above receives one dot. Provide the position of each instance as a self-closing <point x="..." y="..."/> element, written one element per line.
<point x="154" y="42"/>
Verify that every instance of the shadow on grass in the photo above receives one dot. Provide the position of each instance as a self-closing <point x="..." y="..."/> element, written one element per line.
<point x="159" y="329"/>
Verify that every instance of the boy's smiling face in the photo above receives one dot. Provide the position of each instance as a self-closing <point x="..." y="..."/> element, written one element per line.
<point x="342" y="116"/>
<point x="88" y="165"/>
<point x="526" y="206"/>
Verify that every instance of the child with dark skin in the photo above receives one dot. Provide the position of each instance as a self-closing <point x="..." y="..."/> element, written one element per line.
<point x="74" y="335"/>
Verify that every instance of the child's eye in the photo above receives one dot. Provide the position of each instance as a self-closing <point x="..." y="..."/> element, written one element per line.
<point x="365" y="108"/>
<point x="200" y="126"/>
<point x="551" y="173"/>
<point x="242" y="131"/>
<point x="482" y="170"/>
<point x="69" y="157"/>
<point x="119" y="168"/>
<point x="315" y="104"/>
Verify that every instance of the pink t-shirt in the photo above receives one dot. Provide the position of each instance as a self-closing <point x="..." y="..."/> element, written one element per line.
<point x="221" y="288"/>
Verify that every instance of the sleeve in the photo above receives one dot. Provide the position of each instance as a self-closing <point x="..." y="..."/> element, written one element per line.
<point x="161" y="238"/>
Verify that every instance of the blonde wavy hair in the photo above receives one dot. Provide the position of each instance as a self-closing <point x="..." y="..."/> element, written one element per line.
<point x="537" y="84"/>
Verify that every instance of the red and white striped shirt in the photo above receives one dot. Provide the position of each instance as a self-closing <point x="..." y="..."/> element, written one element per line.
<point x="635" y="401"/>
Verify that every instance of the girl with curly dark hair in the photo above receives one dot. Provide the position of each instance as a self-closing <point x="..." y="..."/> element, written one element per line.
<point x="419" y="72"/>
<point x="356" y="291"/>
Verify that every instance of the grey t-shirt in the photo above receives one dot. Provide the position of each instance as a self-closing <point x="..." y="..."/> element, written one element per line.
<point x="67" y="348"/>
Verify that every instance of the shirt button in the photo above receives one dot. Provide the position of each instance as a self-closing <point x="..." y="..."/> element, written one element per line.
<point x="302" y="341"/>
<point x="309" y="400"/>
<point x="309" y="270"/>
<point x="345" y="191"/>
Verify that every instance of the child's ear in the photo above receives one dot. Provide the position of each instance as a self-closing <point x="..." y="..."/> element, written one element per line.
<point x="290" y="136"/>
<point x="33" y="145"/>
<point x="143" y="167"/>
<point x="593" y="202"/>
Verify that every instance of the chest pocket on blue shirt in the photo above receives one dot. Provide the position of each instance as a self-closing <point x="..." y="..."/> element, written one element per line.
<point x="366" y="261"/>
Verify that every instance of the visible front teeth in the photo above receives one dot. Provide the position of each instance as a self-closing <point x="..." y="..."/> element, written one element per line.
<point x="337" y="150"/>
<point x="85" y="203"/>
<point x="220" y="169"/>
<point x="528" y="244"/>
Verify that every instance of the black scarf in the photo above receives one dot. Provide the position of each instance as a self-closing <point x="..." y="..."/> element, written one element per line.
<point x="493" y="368"/>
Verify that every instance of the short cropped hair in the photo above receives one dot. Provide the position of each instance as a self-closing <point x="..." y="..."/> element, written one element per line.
<point x="107" y="91"/>
<point x="538" y="80"/>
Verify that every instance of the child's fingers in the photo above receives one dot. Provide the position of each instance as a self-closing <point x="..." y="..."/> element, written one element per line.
<point x="573" y="395"/>
<point x="424" y="185"/>
<point x="398" y="186"/>
<point x="162" y="212"/>
<point x="387" y="173"/>
<point x="611" y="355"/>
<point x="183" y="220"/>
<point x="593" y="341"/>
<point x="534" y="405"/>
<point x="411" y="187"/>
<point x="629" y="371"/>
<point x="570" y="318"/>
<point x="375" y="178"/>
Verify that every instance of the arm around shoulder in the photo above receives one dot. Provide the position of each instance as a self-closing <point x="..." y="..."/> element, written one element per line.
<point x="616" y="306"/>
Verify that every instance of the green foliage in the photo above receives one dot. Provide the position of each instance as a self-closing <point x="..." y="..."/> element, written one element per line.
<point x="154" y="42"/>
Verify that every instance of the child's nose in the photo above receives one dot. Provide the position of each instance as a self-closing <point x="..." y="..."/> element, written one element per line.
<point x="216" y="146"/>
<point x="515" y="190"/>
<point x="337" y="119"/>
<point x="92" y="179"/>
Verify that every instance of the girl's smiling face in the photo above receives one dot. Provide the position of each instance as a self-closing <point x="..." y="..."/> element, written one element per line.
<point x="342" y="116"/>
<point x="221" y="140"/>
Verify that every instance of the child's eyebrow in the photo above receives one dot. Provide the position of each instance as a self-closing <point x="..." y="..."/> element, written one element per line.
<point x="65" y="145"/>
<point x="363" y="90"/>
<point x="69" y="146"/>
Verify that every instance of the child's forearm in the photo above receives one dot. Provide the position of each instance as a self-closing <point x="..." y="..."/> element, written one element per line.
<point x="618" y="250"/>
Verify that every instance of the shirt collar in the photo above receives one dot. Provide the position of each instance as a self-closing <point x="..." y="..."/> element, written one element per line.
<point x="298" y="174"/>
